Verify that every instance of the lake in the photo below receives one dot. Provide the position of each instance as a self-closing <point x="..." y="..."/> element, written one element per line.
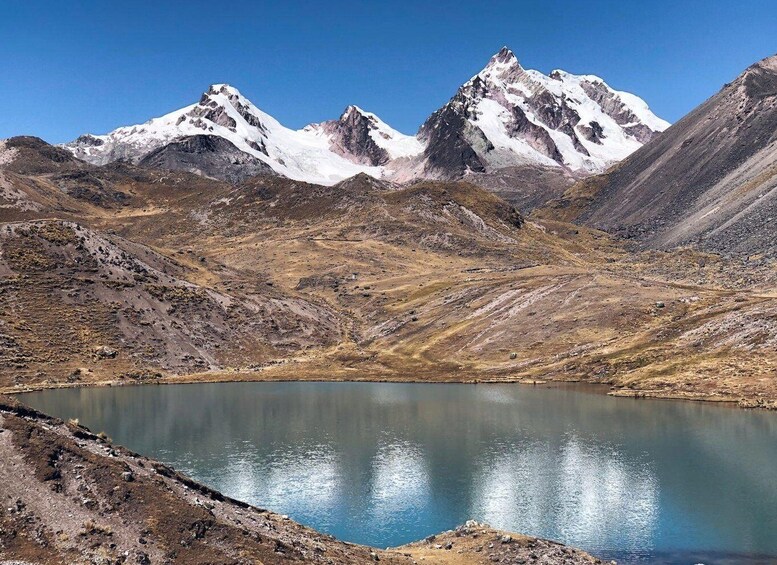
<point x="640" y="481"/>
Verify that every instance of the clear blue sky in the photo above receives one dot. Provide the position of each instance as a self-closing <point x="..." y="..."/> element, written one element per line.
<point x="89" y="66"/>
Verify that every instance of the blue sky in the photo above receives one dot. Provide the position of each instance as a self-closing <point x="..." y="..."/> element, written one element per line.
<point x="72" y="67"/>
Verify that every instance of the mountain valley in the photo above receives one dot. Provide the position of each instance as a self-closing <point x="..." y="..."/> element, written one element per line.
<point x="537" y="229"/>
<point x="182" y="277"/>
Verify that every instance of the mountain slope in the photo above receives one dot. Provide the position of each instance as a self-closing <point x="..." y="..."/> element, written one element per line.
<point x="207" y="155"/>
<point x="92" y="301"/>
<point x="709" y="179"/>
<point x="504" y="117"/>
<point x="273" y="278"/>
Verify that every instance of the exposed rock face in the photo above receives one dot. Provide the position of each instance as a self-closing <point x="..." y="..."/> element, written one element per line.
<point x="450" y="142"/>
<point x="614" y="107"/>
<point x="87" y="140"/>
<point x="710" y="178"/>
<point x="351" y="137"/>
<point x="207" y="155"/>
<point x="508" y="116"/>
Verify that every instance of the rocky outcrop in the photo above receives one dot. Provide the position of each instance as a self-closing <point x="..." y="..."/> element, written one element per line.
<point x="450" y="142"/>
<point x="207" y="155"/>
<point x="536" y="136"/>
<point x="615" y="107"/>
<point x="351" y="137"/>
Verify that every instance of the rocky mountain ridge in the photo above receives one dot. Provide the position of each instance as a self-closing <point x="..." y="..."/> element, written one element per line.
<point x="505" y="116"/>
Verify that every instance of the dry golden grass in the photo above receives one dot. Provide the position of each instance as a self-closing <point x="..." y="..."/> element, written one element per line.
<point x="431" y="282"/>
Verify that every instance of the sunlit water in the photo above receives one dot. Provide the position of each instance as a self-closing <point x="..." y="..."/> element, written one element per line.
<point x="384" y="464"/>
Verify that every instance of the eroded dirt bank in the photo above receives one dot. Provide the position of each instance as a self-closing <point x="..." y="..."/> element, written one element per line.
<point x="68" y="496"/>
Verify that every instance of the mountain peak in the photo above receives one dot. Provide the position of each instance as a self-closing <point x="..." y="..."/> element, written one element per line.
<point x="502" y="117"/>
<point x="507" y="115"/>
<point x="504" y="57"/>
<point x="352" y="110"/>
<point x="225" y="89"/>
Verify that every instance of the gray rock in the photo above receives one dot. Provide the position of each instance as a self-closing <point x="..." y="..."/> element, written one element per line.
<point x="350" y="138"/>
<point x="105" y="352"/>
<point x="207" y="155"/>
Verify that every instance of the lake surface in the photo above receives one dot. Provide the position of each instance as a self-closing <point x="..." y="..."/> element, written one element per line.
<point x="640" y="481"/>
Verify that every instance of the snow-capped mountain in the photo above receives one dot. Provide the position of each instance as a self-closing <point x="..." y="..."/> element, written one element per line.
<point x="503" y="117"/>
<point x="507" y="116"/>
<point x="359" y="142"/>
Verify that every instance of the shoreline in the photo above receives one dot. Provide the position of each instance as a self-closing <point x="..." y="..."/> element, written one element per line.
<point x="605" y="389"/>
<point x="468" y="542"/>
